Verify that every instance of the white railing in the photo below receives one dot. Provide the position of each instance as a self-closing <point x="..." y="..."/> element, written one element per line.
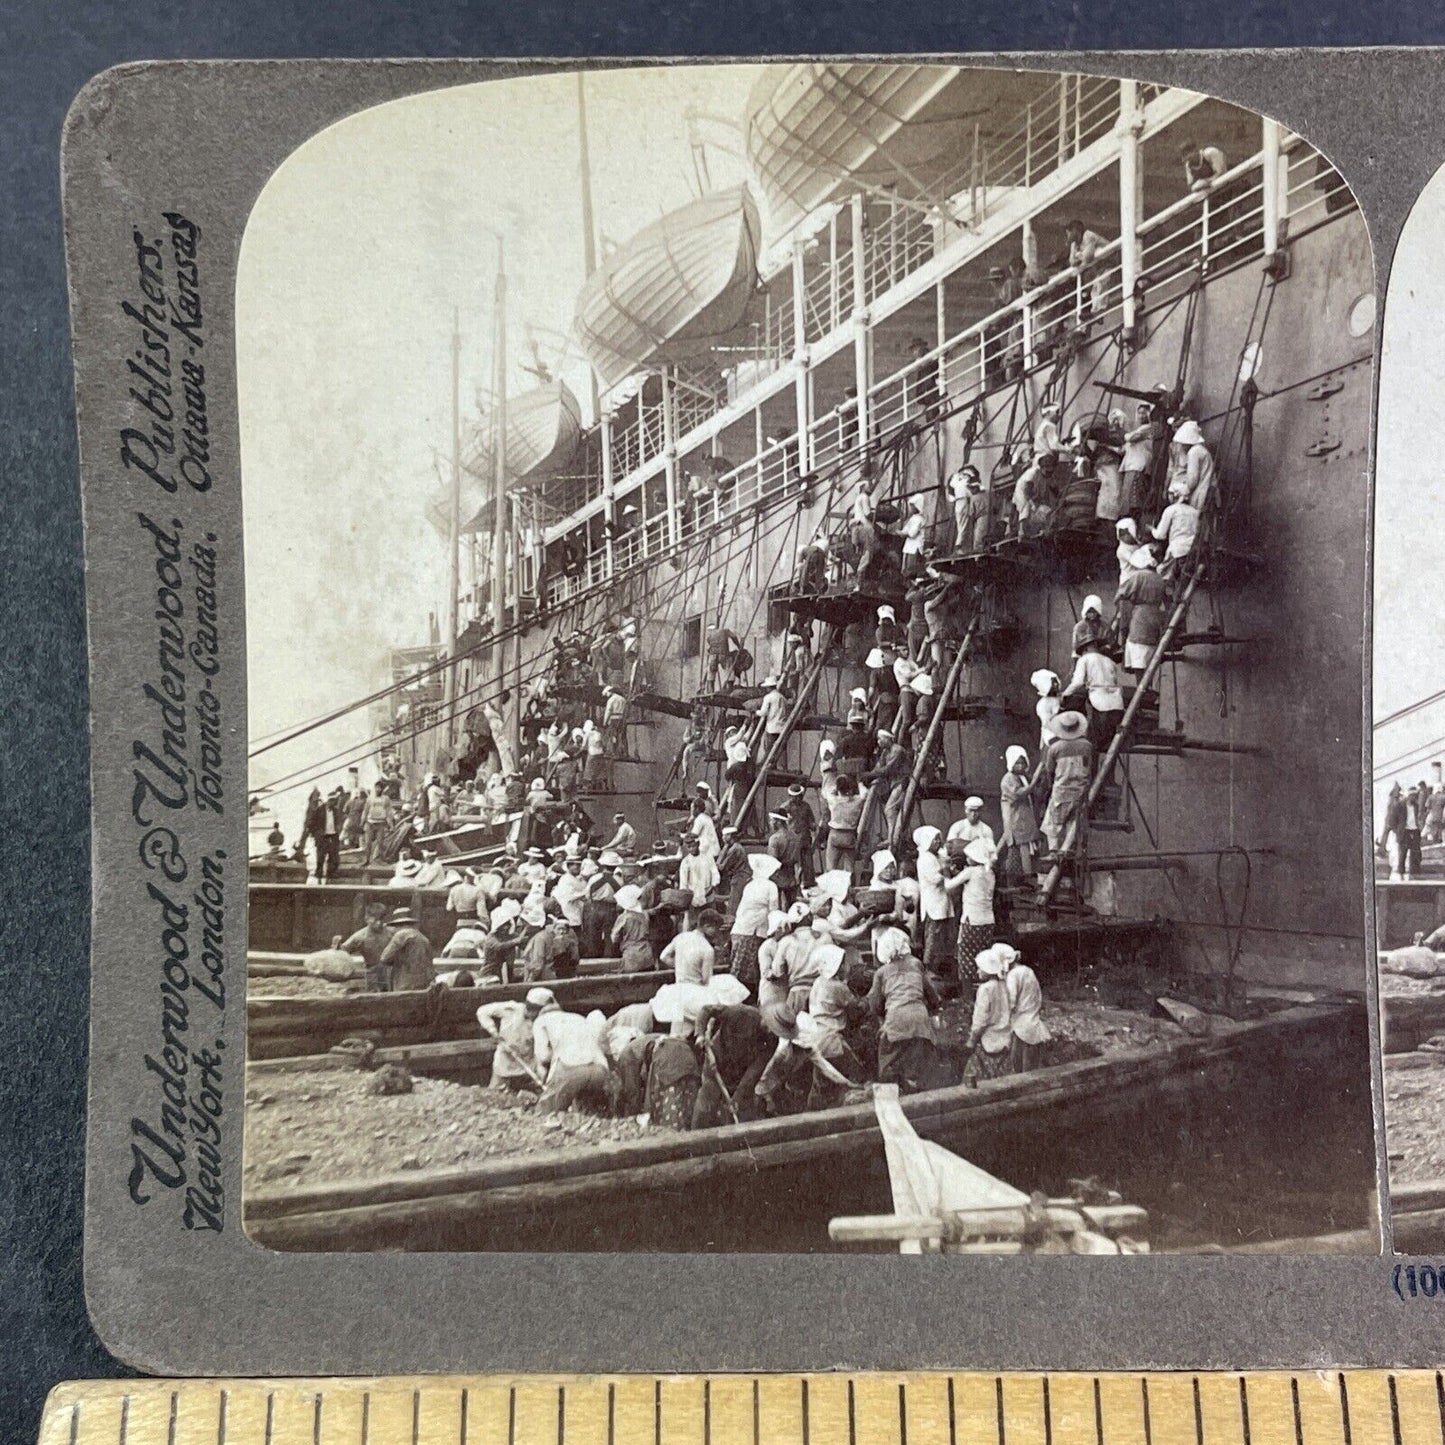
<point x="1214" y="229"/>
<point x="903" y="235"/>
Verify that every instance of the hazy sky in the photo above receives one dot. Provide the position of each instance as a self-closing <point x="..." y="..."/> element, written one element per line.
<point x="354" y="258"/>
<point x="1410" y="496"/>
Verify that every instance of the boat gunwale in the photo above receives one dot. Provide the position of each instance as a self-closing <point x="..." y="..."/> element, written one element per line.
<point x="926" y="1110"/>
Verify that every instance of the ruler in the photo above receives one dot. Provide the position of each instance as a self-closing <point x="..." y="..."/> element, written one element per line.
<point x="1351" y="1407"/>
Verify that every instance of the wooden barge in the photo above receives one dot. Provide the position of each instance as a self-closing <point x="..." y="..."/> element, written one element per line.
<point x="287" y="1027"/>
<point x="284" y="1027"/>
<point x="591" y="1195"/>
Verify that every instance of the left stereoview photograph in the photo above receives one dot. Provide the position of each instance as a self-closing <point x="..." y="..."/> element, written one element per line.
<point x="803" y="625"/>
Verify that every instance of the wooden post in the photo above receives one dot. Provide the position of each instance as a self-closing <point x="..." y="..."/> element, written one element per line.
<point x="806" y="689"/>
<point x="454" y="533"/>
<point x="930" y="738"/>
<point x="1126" y="723"/>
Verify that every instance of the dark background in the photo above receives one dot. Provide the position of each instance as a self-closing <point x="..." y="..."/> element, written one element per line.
<point x="47" y="52"/>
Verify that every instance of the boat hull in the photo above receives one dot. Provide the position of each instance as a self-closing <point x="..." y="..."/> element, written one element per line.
<point x="689" y="1186"/>
<point x="676" y="288"/>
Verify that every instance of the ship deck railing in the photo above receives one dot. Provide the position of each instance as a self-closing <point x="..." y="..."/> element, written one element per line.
<point x="1208" y="232"/>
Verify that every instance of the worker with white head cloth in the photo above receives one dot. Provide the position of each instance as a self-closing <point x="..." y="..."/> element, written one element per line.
<point x="903" y="996"/>
<point x="569" y="1054"/>
<point x="1019" y="840"/>
<point x="989" y="1035"/>
<point x="1025" y="1003"/>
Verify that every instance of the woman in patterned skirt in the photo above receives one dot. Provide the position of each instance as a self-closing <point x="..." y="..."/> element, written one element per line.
<point x="976" y="925"/>
<point x="673" y="1078"/>
<point x="759" y="898"/>
<point x="990" y="1035"/>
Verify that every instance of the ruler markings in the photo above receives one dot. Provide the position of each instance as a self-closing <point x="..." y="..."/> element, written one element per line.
<point x="830" y="1408"/>
<point x="634" y="1420"/>
<point x="926" y="1405"/>
<point x="1418" y="1403"/>
<point x="1218" y="1417"/>
<point x="1022" y="1399"/>
<point x="1268" y="1409"/>
<point x="532" y="1413"/>
<point x="585" y="1409"/>
<point x="872" y="1411"/>
<point x="1307" y="1408"/>
<point x="1074" y="1408"/>
<point x="1372" y="1410"/>
<point x="1119" y="1410"/>
<point x="681" y="1410"/>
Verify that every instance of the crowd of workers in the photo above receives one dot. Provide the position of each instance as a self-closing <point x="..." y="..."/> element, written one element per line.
<point x="1414" y="817"/>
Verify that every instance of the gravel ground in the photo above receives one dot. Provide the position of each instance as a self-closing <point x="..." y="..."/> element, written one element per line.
<point x="302" y="985"/>
<point x="1414" y="1115"/>
<point x="324" y="1125"/>
<point x="308" y="1127"/>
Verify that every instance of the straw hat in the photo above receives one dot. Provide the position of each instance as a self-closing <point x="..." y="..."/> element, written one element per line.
<point x="1068" y="725"/>
<point x="401" y="918"/>
<point x="1189" y="435"/>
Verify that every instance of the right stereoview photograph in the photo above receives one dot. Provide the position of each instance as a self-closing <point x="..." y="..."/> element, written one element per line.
<point x="1408" y="789"/>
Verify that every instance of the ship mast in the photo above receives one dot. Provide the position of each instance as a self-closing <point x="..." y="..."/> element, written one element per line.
<point x="454" y="531"/>
<point x="499" y="450"/>
<point x="589" y="228"/>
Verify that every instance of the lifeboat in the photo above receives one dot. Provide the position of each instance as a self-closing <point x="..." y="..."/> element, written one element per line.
<point x="676" y="288"/>
<point x="544" y="430"/>
<point x="817" y="133"/>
